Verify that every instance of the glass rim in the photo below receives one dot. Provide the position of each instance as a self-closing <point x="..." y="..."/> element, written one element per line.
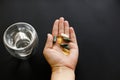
<point x="34" y="35"/>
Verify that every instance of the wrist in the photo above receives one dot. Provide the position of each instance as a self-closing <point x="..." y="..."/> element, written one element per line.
<point x="62" y="73"/>
<point x="61" y="69"/>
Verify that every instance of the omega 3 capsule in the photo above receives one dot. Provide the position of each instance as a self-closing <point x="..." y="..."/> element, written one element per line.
<point x="64" y="35"/>
<point x="64" y="45"/>
<point x="59" y="40"/>
<point x="66" y="51"/>
<point x="66" y="39"/>
<point x="54" y="39"/>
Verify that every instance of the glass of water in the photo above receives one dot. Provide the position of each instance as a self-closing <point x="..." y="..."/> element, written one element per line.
<point x="20" y="39"/>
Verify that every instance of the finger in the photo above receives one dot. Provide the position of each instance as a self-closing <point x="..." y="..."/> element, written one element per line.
<point x="72" y="35"/>
<point x="61" y="25"/>
<point x="66" y="27"/>
<point x="55" y="28"/>
<point x="49" y="42"/>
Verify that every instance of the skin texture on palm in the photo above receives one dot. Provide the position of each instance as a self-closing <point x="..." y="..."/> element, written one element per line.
<point x="63" y="66"/>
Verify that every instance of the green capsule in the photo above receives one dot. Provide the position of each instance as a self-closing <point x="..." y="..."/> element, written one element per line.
<point x="54" y="39"/>
<point x="65" y="46"/>
<point x="66" y="39"/>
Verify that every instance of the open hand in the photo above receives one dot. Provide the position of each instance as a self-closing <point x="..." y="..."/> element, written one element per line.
<point x="54" y="54"/>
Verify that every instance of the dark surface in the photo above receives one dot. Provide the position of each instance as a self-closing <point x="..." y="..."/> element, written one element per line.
<point x="97" y="26"/>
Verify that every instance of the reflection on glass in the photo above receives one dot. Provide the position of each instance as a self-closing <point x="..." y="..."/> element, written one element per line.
<point x="20" y="40"/>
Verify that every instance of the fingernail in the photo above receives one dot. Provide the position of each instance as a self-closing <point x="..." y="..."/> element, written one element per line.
<point x="56" y="20"/>
<point x="48" y="34"/>
<point x="62" y="18"/>
<point x="71" y="28"/>
<point x="66" y="21"/>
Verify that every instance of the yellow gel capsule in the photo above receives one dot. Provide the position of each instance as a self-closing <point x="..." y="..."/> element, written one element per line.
<point x="59" y="40"/>
<point x="66" y="51"/>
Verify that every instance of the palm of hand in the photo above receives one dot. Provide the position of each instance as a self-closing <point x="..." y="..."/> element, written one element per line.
<point x="53" y="52"/>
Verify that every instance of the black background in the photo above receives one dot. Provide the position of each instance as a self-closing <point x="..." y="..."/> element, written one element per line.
<point x="97" y="26"/>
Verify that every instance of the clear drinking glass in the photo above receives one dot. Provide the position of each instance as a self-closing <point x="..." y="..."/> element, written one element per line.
<point x="20" y="39"/>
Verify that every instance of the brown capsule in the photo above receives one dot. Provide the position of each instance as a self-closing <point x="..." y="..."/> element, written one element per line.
<point x="54" y="39"/>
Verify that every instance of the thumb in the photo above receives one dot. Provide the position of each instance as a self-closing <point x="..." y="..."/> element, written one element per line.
<point x="49" y="42"/>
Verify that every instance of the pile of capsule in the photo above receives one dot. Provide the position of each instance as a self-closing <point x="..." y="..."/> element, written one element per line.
<point x="63" y="41"/>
